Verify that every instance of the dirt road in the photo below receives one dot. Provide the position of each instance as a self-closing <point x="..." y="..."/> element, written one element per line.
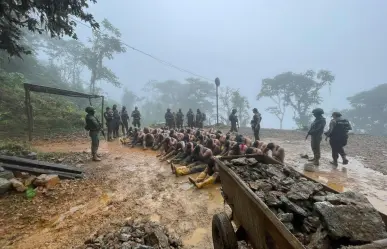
<point x="131" y="183"/>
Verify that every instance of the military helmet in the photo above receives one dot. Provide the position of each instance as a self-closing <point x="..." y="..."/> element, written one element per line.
<point x="318" y="111"/>
<point x="135" y="108"/>
<point x="255" y="110"/>
<point x="114" y="106"/>
<point x="168" y="110"/>
<point x="179" y="109"/>
<point x="336" y="114"/>
<point x="234" y="110"/>
<point x="89" y="109"/>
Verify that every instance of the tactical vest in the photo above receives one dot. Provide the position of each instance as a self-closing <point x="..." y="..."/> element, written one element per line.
<point x="341" y="128"/>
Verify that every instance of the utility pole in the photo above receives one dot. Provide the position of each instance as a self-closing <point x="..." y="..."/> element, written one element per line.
<point x="217" y="83"/>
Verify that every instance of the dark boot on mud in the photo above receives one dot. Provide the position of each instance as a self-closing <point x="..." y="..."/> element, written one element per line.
<point x="96" y="158"/>
<point x="316" y="162"/>
<point x="311" y="159"/>
<point x="345" y="160"/>
<point x="192" y="181"/>
<point x="334" y="163"/>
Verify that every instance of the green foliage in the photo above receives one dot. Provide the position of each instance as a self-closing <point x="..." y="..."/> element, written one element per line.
<point x="129" y="99"/>
<point x="368" y="112"/>
<point x="229" y="99"/>
<point x="52" y="16"/>
<point x="194" y="93"/>
<point x="300" y="91"/>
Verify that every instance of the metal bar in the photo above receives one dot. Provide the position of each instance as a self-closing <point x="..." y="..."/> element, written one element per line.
<point x="217" y="107"/>
<point x="103" y="101"/>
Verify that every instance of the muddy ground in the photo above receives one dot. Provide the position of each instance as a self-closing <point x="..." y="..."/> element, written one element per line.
<point x="131" y="183"/>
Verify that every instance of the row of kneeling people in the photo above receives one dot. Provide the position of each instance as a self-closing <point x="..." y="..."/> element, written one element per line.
<point x="193" y="150"/>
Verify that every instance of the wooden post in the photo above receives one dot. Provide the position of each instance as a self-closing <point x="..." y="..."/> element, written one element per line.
<point x="28" y="112"/>
<point x="103" y="100"/>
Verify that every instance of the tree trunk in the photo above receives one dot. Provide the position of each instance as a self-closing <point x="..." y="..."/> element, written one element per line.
<point x="281" y="121"/>
<point x="92" y="81"/>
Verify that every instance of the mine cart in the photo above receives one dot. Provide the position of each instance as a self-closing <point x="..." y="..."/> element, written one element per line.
<point x="254" y="221"/>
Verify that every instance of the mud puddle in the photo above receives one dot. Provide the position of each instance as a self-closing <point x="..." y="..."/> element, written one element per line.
<point x="354" y="176"/>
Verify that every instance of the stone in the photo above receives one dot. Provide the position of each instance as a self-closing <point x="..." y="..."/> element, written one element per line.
<point x="142" y="247"/>
<point x="251" y="161"/>
<point x="302" y="190"/>
<point x="274" y="170"/>
<point x="47" y="181"/>
<point x="261" y="185"/>
<point x="6" y="174"/>
<point x="285" y="217"/>
<point x="287" y="181"/>
<point x="157" y="238"/>
<point x="260" y="194"/>
<point x="290" y="206"/>
<point x="272" y="200"/>
<point x="333" y="199"/>
<point x="124" y="237"/>
<point x="239" y="161"/>
<point x="289" y="226"/>
<point x="354" y="222"/>
<point x="319" y="240"/>
<point x="29" y="180"/>
<point x="311" y="224"/>
<point x="32" y="156"/>
<point x="59" y="160"/>
<point x="5" y="185"/>
<point x="319" y="198"/>
<point x="18" y="185"/>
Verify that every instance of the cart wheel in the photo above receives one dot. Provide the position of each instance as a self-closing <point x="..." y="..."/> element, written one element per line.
<point x="223" y="235"/>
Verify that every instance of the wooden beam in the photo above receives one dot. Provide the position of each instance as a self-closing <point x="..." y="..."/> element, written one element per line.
<point x="260" y="158"/>
<point x="28" y="113"/>
<point x="102" y="122"/>
<point x="39" y="164"/>
<point x="37" y="171"/>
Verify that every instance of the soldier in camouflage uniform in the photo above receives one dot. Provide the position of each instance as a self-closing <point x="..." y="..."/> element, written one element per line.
<point x="338" y="137"/>
<point x="108" y="114"/>
<point x="116" y="122"/>
<point x="256" y="123"/>
<point x="234" y="120"/>
<point x="315" y="132"/>
<point x="136" y="117"/>
<point x="94" y="127"/>
<point x="179" y="119"/>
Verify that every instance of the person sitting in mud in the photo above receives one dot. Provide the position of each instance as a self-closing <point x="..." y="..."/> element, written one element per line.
<point x="178" y="150"/>
<point x="159" y="140"/>
<point x="201" y="157"/>
<point x="253" y="151"/>
<point x="187" y="157"/>
<point x="172" y="133"/>
<point x="137" y="137"/>
<point x="130" y="132"/>
<point x="277" y="152"/>
<point x="208" y="177"/>
<point x="213" y="147"/>
<point x="243" y="140"/>
<point x="237" y="150"/>
<point x="169" y="147"/>
<point x="148" y="141"/>
<point x="227" y="147"/>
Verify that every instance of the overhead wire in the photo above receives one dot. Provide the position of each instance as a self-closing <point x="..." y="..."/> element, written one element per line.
<point x="149" y="55"/>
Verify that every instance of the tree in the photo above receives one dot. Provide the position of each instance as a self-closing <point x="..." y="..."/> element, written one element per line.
<point x="300" y="91"/>
<point x="104" y="45"/>
<point x="52" y="16"/>
<point x="225" y="97"/>
<point x="242" y="105"/>
<point x="368" y="112"/>
<point x="129" y="99"/>
<point x="277" y="95"/>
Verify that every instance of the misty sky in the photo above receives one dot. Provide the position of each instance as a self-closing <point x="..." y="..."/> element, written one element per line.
<point x="242" y="42"/>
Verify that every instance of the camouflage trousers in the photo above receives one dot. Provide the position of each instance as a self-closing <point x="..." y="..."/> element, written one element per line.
<point x="315" y="144"/>
<point x="94" y="135"/>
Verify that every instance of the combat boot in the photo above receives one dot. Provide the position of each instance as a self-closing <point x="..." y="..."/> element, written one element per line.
<point x="345" y="160"/>
<point x="96" y="158"/>
<point x="334" y="163"/>
<point x="210" y="180"/>
<point x="316" y="162"/>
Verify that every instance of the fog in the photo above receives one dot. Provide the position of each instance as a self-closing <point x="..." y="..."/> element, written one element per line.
<point x="243" y="42"/>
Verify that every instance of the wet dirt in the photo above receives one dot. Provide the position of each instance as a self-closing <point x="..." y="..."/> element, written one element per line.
<point x="127" y="183"/>
<point x="131" y="183"/>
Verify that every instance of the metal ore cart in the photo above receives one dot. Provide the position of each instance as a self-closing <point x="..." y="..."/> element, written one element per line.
<point x="254" y="221"/>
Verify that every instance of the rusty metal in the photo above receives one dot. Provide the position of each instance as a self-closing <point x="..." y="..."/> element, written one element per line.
<point x="262" y="227"/>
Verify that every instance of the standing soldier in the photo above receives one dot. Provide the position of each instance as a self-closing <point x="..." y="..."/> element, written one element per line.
<point x="174" y="120"/>
<point x="94" y="127"/>
<point x="109" y="122"/>
<point x="190" y="118"/>
<point x="256" y="123"/>
<point x="179" y="119"/>
<point x="199" y="121"/>
<point x="234" y="120"/>
<point x="316" y="130"/>
<point x="124" y="120"/>
<point x="338" y="137"/>
<point x="136" y="117"/>
<point x="169" y="118"/>
<point x="116" y="122"/>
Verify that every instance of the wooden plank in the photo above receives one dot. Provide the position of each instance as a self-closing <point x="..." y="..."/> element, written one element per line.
<point x="37" y="171"/>
<point x="39" y="164"/>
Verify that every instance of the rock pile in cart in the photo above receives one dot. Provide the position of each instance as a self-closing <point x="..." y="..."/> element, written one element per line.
<point x="135" y="235"/>
<point x="319" y="219"/>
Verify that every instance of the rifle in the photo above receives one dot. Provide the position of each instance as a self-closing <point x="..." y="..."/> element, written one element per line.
<point x="238" y="126"/>
<point x="101" y="128"/>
